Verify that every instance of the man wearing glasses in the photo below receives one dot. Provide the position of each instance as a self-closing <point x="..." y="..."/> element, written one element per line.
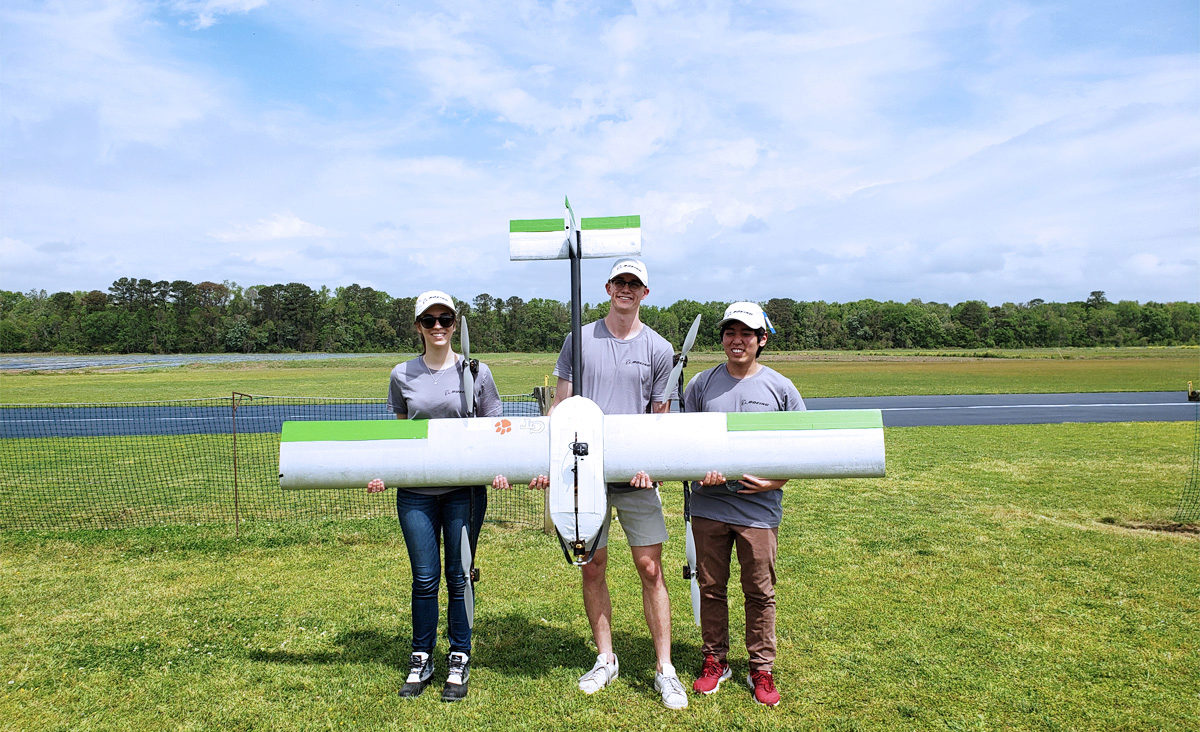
<point x="626" y="366"/>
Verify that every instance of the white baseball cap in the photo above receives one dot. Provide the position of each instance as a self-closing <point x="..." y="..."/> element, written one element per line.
<point x="750" y="313"/>
<point x="634" y="267"/>
<point x="429" y="298"/>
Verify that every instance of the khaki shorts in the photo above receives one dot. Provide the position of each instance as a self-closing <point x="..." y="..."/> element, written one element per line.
<point x="641" y="516"/>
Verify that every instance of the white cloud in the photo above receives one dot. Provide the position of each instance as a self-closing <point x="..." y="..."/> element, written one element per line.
<point x="96" y="64"/>
<point x="205" y="13"/>
<point x="279" y="226"/>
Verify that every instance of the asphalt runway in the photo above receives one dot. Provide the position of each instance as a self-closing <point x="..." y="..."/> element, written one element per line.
<point x="996" y="409"/>
<point x="898" y="411"/>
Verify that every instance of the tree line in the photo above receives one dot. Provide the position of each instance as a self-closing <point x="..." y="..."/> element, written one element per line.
<point x="144" y="316"/>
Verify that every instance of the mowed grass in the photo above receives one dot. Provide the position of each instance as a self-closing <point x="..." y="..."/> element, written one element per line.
<point x="816" y="374"/>
<point x="992" y="580"/>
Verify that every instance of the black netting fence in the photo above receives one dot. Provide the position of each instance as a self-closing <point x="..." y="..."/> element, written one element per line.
<point x="196" y="461"/>
<point x="1189" y="502"/>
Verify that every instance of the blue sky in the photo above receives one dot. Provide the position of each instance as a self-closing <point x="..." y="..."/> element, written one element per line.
<point x="944" y="151"/>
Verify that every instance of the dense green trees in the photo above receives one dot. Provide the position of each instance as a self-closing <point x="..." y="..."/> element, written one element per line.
<point x="144" y="316"/>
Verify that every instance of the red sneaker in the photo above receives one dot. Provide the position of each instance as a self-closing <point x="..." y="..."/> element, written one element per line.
<point x="711" y="676"/>
<point x="763" y="685"/>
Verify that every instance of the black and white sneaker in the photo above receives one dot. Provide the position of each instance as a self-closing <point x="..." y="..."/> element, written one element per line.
<point x="456" y="681"/>
<point x="420" y="672"/>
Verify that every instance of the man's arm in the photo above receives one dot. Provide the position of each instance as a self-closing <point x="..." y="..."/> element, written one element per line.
<point x="562" y="391"/>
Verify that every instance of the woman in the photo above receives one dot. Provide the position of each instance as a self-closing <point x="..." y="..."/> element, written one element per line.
<point x="430" y="386"/>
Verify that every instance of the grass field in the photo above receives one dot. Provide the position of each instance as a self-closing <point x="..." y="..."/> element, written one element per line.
<point x="993" y="580"/>
<point x="999" y="577"/>
<point x="816" y="374"/>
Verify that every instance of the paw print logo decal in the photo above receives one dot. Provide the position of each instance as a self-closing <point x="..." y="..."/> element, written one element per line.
<point x="503" y="427"/>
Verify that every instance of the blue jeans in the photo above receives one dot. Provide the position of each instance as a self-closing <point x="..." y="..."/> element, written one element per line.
<point x="425" y="521"/>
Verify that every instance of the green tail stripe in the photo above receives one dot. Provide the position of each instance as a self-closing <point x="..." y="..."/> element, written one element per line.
<point x="535" y="226"/>
<point x="611" y="222"/>
<point x="355" y="429"/>
<point x="539" y="226"/>
<point x="828" y="419"/>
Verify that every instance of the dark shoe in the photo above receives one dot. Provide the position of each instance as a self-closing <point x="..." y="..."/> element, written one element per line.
<point x="456" y="682"/>
<point x="420" y="673"/>
<point x="711" y="675"/>
<point x="762" y="683"/>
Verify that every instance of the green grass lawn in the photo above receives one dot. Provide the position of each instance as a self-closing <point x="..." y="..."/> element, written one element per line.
<point x="995" y="579"/>
<point x="816" y="374"/>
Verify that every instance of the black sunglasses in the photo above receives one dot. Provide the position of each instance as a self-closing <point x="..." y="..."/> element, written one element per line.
<point x="445" y="320"/>
<point x="631" y="284"/>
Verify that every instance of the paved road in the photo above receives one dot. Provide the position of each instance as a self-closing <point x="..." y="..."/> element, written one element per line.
<point x="137" y="361"/>
<point x="898" y="411"/>
<point x="187" y="420"/>
<point x="925" y="411"/>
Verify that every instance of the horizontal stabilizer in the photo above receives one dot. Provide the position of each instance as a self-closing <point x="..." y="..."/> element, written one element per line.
<point x="609" y="236"/>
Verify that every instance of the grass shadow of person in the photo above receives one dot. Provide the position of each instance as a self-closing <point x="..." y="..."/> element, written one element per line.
<point x="357" y="646"/>
<point x="512" y="644"/>
<point x="522" y="645"/>
<point x="525" y="645"/>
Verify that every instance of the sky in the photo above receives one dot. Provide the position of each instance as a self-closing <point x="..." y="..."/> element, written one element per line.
<point x="941" y="151"/>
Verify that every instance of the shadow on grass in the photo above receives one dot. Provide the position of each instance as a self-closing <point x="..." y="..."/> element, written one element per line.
<point x="511" y="644"/>
<point x="360" y="646"/>
<point x="520" y="645"/>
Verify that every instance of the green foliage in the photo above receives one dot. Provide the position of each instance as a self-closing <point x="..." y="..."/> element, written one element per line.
<point x="142" y="316"/>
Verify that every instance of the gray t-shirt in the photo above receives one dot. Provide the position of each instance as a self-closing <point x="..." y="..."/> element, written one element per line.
<point x="620" y="376"/>
<point x="715" y="390"/>
<point x="420" y="393"/>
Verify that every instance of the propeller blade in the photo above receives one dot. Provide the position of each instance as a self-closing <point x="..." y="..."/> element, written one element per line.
<point x="695" y="600"/>
<point x="691" y="336"/>
<point x="690" y="544"/>
<point x="688" y="342"/>
<point x="468" y="377"/>
<point x="690" y="547"/>
<point x="469" y="590"/>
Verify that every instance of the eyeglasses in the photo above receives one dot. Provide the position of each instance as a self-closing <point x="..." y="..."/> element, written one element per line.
<point x="631" y="284"/>
<point x="445" y="320"/>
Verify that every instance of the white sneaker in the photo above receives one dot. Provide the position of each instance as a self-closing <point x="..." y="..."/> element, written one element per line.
<point x="667" y="684"/>
<point x="601" y="675"/>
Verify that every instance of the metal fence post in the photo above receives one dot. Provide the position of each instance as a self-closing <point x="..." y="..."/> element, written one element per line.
<point x="545" y="398"/>
<point x="237" y="514"/>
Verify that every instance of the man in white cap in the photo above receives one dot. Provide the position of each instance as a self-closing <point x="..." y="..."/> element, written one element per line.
<point x="626" y="367"/>
<point x="744" y="511"/>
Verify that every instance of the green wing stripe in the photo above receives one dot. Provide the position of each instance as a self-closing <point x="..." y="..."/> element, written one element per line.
<point x="355" y="429"/>
<point x="830" y="419"/>
<point x="535" y="226"/>
<point x="611" y="222"/>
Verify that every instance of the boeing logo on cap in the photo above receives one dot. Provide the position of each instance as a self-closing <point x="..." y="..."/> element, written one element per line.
<point x="749" y="313"/>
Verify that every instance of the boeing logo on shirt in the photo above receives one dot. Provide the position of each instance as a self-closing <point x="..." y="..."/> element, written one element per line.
<point x="629" y="361"/>
<point x="448" y="392"/>
<point x="751" y="401"/>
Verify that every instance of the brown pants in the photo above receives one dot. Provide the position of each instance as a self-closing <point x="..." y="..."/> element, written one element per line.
<point x="756" y="549"/>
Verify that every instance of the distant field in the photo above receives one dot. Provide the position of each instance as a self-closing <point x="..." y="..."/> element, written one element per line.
<point x="997" y="578"/>
<point x="816" y="373"/>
